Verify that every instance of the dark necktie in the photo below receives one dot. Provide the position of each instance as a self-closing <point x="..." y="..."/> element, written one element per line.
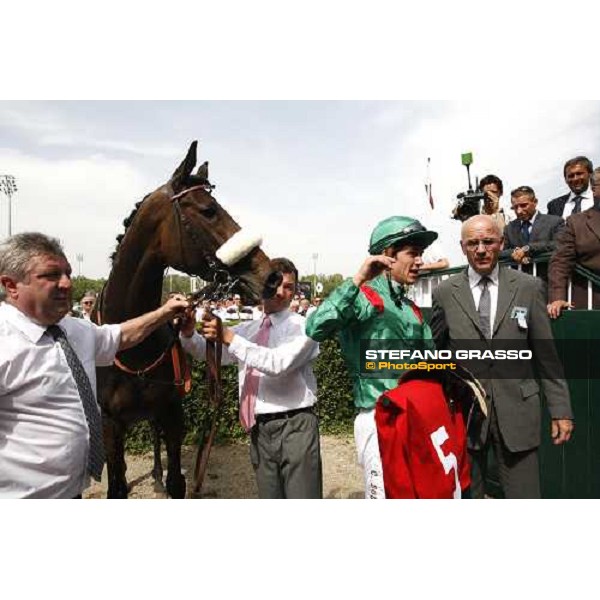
<point x="577" y="208"/>
<point x="90" y="406"/>
<point x="525" y="230"/>
<point x="485" y="306"/>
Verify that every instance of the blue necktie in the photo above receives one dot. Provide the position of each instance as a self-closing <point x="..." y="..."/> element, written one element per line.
<point x="90" y="406"/>
<point x="577" y="208"/>
<point x="525" y="231"/>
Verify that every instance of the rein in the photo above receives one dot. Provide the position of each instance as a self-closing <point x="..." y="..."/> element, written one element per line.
<point x="221" y="284"/>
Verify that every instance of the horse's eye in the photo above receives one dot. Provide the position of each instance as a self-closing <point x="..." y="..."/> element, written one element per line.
<point x="209" y="212"/>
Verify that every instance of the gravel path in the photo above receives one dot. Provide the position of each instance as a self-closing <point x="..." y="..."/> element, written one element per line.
<point x="230" y="474"/>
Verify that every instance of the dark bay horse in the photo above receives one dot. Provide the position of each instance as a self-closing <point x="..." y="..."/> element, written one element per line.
<point x="179" y="225"/>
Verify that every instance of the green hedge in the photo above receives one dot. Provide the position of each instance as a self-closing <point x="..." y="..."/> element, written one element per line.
<point x="335" y="408"/>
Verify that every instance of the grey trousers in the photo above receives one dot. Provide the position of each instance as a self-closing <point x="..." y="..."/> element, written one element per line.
<point x="519" y="472"/>
<point x="286" y="456"/>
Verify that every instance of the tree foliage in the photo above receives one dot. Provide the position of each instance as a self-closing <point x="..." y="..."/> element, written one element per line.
<point x="81" y="285"/>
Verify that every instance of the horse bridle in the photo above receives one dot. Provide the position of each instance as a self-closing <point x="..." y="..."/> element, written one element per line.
<point x="222" y="282"/>
<point x="219" y="287"/>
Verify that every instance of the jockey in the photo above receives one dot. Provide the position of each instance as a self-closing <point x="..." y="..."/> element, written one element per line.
<point x="373" y="305"/>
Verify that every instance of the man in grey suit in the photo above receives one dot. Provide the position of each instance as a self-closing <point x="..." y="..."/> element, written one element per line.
<point x="503" y="307"/>
<point x="531" y="234"/>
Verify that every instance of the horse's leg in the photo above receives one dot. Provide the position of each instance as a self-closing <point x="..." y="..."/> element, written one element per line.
<point x="114" y="446"/>
<point x="172" y="426"/>
<point x="157" y="470"/>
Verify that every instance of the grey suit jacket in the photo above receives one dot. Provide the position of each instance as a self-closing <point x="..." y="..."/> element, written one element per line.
<point x="542" y="237"/>
<point x="516" y="401"/>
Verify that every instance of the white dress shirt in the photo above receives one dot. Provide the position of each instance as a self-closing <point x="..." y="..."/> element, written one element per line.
<point x="474" y="279"/>
<point x="44" y="436"/>
<point x="286" y="379"/>
<point x="587" y="202"/>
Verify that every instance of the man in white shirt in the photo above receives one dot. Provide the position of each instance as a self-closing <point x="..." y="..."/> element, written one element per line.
<point x="87" y="304"/>
<point x="577" y="172"/>
<point x="277" y="389"/>
<point x="49" y="417"/>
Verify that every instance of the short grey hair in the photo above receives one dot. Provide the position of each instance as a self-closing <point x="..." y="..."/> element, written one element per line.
<point x="17" y="251"/>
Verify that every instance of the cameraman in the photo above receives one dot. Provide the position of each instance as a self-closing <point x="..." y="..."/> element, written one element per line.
<point x="493" y="189"/>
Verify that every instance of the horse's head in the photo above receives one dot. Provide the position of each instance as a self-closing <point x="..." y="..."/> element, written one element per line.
<point x="196" y="234"/>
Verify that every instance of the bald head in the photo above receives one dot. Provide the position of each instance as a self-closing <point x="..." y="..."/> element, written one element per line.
<point x="481" y="242"/>
<point x="479" y="222"/>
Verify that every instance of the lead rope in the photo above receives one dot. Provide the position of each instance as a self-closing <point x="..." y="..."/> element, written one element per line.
<point x="214" y="351"/>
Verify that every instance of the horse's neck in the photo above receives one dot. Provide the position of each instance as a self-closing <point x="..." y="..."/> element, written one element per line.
<point x="134" y="285"/>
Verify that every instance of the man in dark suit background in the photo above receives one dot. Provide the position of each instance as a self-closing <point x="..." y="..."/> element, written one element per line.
<point x="579" y="242"/>
<point x="531" y="233"/>
<point x="577" y="172"/>
<point x="501" y="306"/>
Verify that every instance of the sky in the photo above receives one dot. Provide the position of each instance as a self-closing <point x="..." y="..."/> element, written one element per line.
<point x="313" y="177"/>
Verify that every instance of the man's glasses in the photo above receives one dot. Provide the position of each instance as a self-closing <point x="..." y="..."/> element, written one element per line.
<point x="486" y="243"/>
<point x="88" y="302"/>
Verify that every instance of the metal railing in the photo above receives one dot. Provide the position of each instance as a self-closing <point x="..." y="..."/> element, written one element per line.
<point x="428" y="281"/>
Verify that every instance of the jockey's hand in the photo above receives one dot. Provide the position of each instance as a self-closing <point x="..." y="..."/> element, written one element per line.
<point x="372" y="267"/>
<point x="561" y="430"/>
<point x="188" y="323"/>
<point x="556" y="307"/>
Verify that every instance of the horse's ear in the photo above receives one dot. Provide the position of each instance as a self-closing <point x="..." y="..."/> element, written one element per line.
<point x="202" y="171"/>
<point x="184" y="170"/>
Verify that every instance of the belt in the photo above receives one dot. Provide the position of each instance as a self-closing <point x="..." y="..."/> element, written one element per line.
<point x="286" y="414"/>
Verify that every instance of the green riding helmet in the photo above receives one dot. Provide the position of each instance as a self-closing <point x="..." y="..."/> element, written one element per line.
<point x="395" y="230"/>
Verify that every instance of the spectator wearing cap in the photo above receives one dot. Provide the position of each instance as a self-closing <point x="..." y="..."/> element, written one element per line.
<point x="373" y="305"/>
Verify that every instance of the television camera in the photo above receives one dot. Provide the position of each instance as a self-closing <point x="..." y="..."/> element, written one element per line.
<point x="470" y="203"/>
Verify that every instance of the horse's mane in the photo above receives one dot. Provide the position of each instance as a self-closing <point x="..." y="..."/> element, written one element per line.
<point x="126" y="223"/>
<point x="200" y="178"/>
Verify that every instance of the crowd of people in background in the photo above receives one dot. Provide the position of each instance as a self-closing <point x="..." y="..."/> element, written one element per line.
<point x="546" y="244"/>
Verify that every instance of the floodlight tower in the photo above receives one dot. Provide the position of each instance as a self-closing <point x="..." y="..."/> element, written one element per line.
<point x="8" y="185"/>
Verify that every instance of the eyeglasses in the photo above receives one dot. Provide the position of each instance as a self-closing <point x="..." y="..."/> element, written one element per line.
<point x="486" y="243"/>
<point x="88" y="302"/>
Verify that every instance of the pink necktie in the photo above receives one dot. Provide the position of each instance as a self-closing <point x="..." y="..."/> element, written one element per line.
<point x="250" y="388"/>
